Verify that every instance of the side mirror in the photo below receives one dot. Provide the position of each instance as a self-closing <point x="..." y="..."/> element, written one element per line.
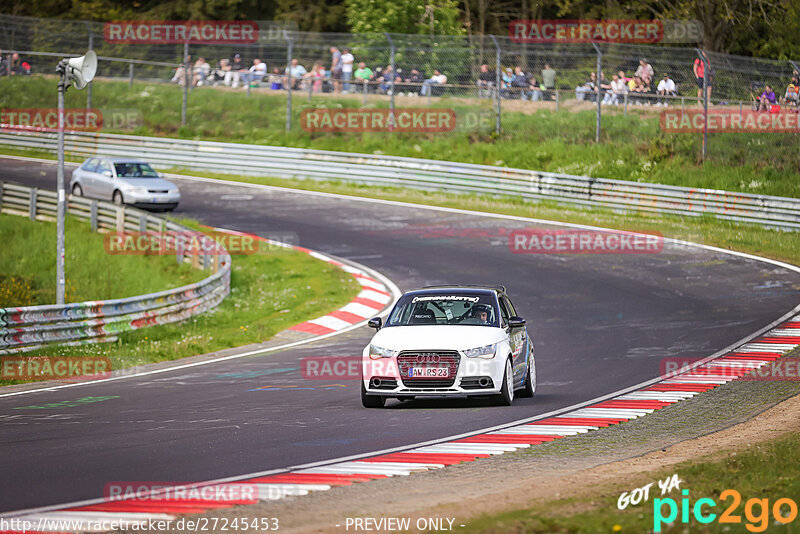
<point x="516" y="322"/>
<point x="107" y="174"/>
<point x="375" y="322"/>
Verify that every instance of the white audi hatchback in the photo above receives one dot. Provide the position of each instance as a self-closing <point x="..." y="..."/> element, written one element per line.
<point x="449" y="341"/>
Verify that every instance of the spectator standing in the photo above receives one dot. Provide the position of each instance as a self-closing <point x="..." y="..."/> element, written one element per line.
<point x="336" y="69"/>
<point x="347" y="69"/>
<point x="437" y="79"/>
<point x="548" y="79"/>
<point x="699" y="68"/>
<point x="485" y="82"/>
<point x="666" y="87"/>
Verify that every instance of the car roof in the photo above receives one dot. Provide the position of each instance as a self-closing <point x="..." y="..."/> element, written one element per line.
<point x="457" y="289"/>
<point x="118" y="160"/>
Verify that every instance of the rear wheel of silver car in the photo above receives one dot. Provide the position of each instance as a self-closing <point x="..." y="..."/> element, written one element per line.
<point x="530" y="380"/>
<point x="371" y="401"/>
<point x="77" y="190"/>
<point x="118" y="200"/>
<point x="506" y="397"/>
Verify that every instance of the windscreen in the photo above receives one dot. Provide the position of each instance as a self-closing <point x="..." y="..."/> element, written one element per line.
<point x="135" y="170"/>
<point x="444" y="308"/>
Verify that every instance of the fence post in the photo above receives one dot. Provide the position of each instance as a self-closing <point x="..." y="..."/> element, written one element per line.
<point x="366" y="90"/>
<point x="557" y="100"/>
<point x="120" y="220"/>
<point x="289" y="82"/>
<point x="89" y="85"/>
<point x="626" y="103"/>
<point x="93" y="215"/>
<point x="130" y="75"/>
<point x="34" y="196"/>
<point x="186" y="68"/>
<point x="702" y="56"/>
<point x="497" y="124"/>
<point x="392" y="50"/>
<point x="597" y="77"/>
<point x="1" y="196"/>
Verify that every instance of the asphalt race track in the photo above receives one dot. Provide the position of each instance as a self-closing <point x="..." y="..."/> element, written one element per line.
<point x="600" y="323"/>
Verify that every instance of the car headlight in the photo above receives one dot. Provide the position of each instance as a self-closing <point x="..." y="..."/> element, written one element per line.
<point x="139" y="190"/>
<point x="487" y="351"/>
<point x="173" y="191"/>
<point x="376" y="352"/>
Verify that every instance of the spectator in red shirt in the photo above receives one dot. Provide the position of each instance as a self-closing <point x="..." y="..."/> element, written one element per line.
<point x="699" y="74"/>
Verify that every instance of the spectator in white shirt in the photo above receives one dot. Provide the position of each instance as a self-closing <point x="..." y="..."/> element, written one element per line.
<point x="347" y="69"/>
<point x="257" y="71"/>
<point x="665" y="87"/>
<point x="437" y="78"/>
<point x="618" y="88"/>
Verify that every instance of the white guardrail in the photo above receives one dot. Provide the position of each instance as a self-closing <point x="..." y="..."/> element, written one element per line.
<point x="421" y="174"/>
<point x="33" y="326"/>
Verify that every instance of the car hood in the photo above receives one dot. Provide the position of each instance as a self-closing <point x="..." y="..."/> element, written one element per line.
<point x="437" y="337"/>
<point x="149" y="183"/>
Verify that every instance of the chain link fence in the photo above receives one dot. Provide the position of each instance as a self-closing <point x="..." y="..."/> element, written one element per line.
<point x="492" y="74"/>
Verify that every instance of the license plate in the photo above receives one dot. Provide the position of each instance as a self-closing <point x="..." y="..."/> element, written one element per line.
<point x="428" y="372"/>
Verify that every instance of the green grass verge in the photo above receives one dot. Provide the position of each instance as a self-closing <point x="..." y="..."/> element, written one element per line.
<point x="632" y="147"/>
<point x="765" y="471"/>
<point x="28" y="267"/>
<point x="271" y="290"/>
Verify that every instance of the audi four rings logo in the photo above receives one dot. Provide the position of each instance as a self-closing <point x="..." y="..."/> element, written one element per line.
<point x="428" y="358"/>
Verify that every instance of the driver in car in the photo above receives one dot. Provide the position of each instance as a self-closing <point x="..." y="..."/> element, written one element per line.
<point x="481" y="313"/>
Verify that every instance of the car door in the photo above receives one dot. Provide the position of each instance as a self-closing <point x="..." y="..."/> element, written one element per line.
<point x="104" y="180"/>
<point x="84" y="175"/>
<point x="517" y="339"/>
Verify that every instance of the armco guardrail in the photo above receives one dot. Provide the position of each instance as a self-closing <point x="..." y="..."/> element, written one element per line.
<point x="422" y="174"/>
<point x="33" y="326"/>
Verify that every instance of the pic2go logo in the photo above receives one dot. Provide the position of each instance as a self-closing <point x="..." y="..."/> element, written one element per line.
<point x="756" y="511"/>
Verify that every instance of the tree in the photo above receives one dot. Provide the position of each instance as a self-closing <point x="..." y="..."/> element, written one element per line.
<point x="433" y="17"/>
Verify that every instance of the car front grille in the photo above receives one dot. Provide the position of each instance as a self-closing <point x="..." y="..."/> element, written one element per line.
<point x="408" y="359"/>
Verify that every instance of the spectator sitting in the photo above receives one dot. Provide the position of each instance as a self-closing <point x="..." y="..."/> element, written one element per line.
<point x="521" y="84"/>
<point x="201" y="70"/>
<point x="605" y="86"/>
<point x="233" y="77"/>
<point x="506" y="79"/>
<point x="385" y="80"/>
<point x="315" y="77"/>
<point x="18" y="66"/>
<point x="218" y="75"/>
<point x="257" y="72"/>
<point x="548" y="79"/>
<point x="666" y="87"/>
<point x="180" y="73"/>
<point x="536" y="90"/>
<point x="275" y="79"/>
<point x="618" y="88"/>
<point x="767" y="98"/>
<point x="296" y="71"/>
<point x="623" y="78"/>
<point x="584" y="92"/>
<point x="437" y="79"/>
<point x="485" y="82"/>
<point x="639" y="91"/>
<point x="792" y="95"/>
<point x="414" y="81"/>
<point x="644" y="70"/>
<point x="363" y="74"/>
<point x="3" y="64"/>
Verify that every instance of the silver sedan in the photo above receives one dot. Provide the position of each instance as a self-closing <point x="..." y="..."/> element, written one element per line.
<point x="124" y="181"/>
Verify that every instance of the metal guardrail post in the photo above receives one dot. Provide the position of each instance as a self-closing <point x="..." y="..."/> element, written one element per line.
<point x="142" y="224"/>
<point x="498" y="108"/>
<point x="89" y="85"/>
<point x="392" y="51"/>
<point x="186" y="80"/>
<point x="93" y="215"/>
<point x="32" y="203"/>
<point x="130" y="75"/>
<point x="599" y="80"/>
<point x="1" y="196"/>
<point x="557" y="100"/>
<point x="366" y="90"/>
<point x="206" y="261"/>
<point x="289" y="83"/>
<point x="702" y="56"/>
<point x="120" y="219"/>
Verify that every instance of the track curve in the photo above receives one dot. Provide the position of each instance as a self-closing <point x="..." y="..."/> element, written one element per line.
<point x="601" y="322"/>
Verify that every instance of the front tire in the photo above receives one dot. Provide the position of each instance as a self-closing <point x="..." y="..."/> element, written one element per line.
<point x="371" y="401"/>
<point x="118" y="200"/>
<point x="506" y="397"/>
<point x="77" y="190"/>
<point x="529" y="388"/>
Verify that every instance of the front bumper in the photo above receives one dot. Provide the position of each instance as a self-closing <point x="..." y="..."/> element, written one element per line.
<point x="152" y="200"/>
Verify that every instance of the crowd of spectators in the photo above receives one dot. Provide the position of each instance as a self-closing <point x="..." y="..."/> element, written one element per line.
<point x="345" y="75"/>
